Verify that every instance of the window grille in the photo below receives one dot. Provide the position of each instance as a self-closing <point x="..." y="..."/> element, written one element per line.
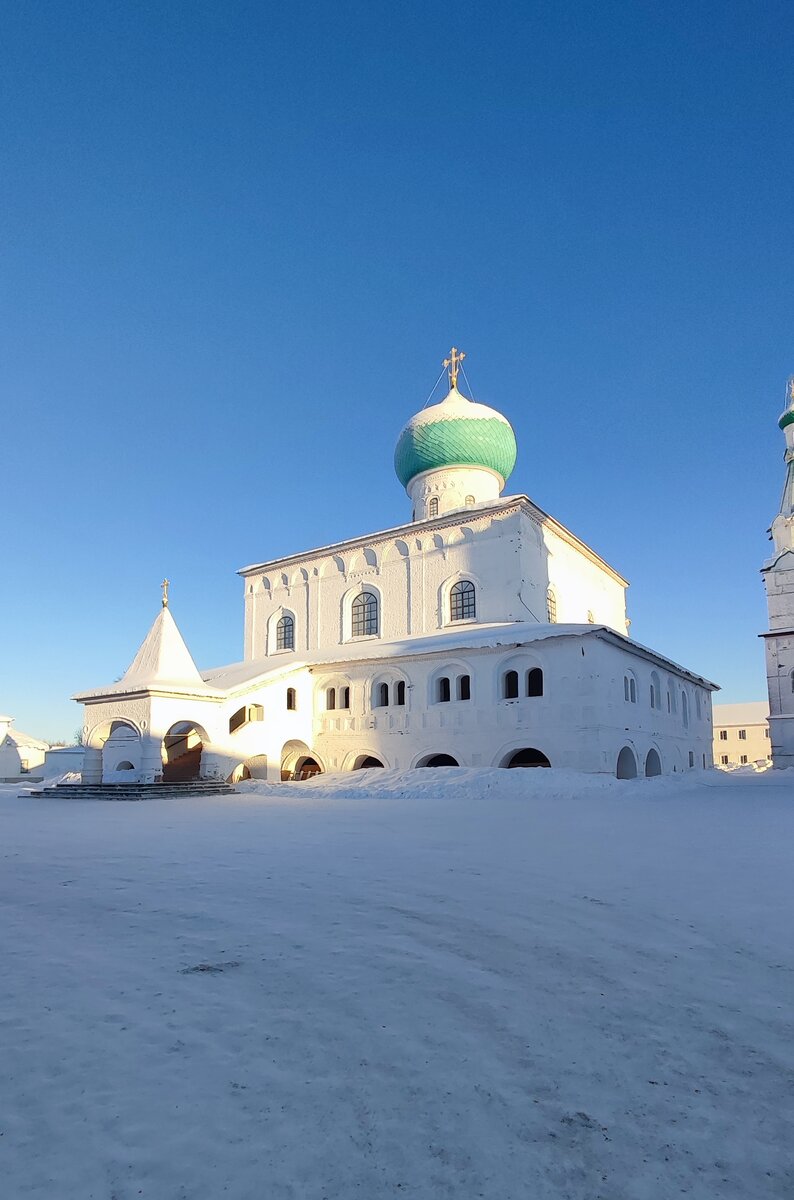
<point x="285" y="633"/>
<point x="462" y="601"/>
<point x="365" y="614"/>
<point x="551" y="606"/>
<point x="432" y="508"/>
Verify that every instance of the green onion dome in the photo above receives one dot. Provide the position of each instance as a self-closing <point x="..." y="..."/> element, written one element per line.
<point x="455" y="433"/>
<point x="787" y="418"/>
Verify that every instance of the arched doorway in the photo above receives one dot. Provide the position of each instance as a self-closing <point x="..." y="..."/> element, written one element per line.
<point x="439" y="760"/>
<point x="306" y="768"/>
<point x="528" y="757"/>
<point x="125" y="765"/>
<point x="182" y="747"/>
<point x="365" y="761"/>
<point x="240" y="773"/>
<point x="653" y="763"/>
<point x="627" y="764"/>
<point x="298" y="761"/>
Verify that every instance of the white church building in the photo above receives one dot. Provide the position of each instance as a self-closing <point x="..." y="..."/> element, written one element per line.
<point x="778" y="573"/>
<point x="479" y="633"/>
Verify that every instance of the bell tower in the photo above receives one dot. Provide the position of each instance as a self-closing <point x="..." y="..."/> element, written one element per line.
<point x="778" y="575"/>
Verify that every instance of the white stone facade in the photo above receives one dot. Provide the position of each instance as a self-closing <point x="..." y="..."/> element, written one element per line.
<point x="481" y="630"/>
<point x="778" y="574"/>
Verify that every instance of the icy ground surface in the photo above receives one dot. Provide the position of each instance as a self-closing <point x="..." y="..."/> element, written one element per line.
<point x="519" y="985"/>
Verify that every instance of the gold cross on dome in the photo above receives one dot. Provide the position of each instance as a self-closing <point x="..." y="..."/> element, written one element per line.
<point x="164" y="586"/>
<point x="452" y="364"/>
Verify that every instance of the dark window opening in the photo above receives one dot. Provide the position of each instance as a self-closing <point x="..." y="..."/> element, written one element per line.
<point x="365" y="615"/>
<point x="443" y="690"/>
<point x="535" y="682"/>
<point x="464" y="687"/>
<point x="510" y="689"/>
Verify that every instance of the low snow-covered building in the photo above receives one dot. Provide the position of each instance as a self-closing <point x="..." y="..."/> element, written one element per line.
<point x="480" y="633"/>
<point x="20" y="753"/>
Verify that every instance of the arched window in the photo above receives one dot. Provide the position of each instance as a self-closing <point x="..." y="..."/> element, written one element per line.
<point x="551" y="606"/>
<point x="470" y="502"/>
<point x="443" y="693"/>
<point x="464" y="687"/>
<point x="344" y="697"/>
<point x="285" y="633"/>
<point x="432" y="508"/>
<point x="510" y="685"/>
<point x="535" y="682"/>
<point x="632" y="690"/>
<point x="697" y="705"/>
<point x="400" y="692"/>
<point x="365" y="614"/>
<point x="330" y="698"/>
<point x="462" y="601"/>
<point x="685" y="712"/>
<point x="656" y="694"/>
<point x="590" y="617"/>
<point x="625" y="687"/>
<point x="291" y="700"/>
<point x="382" y="700"/>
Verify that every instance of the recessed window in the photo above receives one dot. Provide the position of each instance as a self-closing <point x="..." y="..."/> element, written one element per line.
<point x="743" y="759"/>
<point x="382" y="700"/>
<point x="365" y="615"/>
<point x="723" y="735"/>
<point x="470" y="502"/>
<point x="724" y="759"/>
<point x="742" y="735"/>
<point x="399" y="692"/>
<point x="684" y="709"/>
<point x="656" y="692"/>
<point x="330" y="698"/>
<point x="432" y="508"/>
<point x="462" y="601"/>
<point x="443" y="692"/>
<point x="510" y="685"/>
<point x="285" y="633"/>
<point x="551" y="606"/>
<point x="464" y="687"/>
<point x="292" y="702"/>
<point x="344" y="697"/>
<point x="535" y="682"/>
<point x="691" y="758"/>
<point x="766" y="733"/>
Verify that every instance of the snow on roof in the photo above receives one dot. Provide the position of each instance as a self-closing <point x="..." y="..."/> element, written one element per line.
<point x="245" y="674"/>
<point x="751" y="712"/>
<point x="163" y="663"/>
<point x="16" y="737"/>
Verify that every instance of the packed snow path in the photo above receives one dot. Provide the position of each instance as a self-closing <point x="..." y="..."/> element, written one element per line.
<point x="511" y="985"/>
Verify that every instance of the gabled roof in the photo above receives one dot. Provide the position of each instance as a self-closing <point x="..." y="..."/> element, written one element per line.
<point x="16" y="737"/>
<point x="163" y="664"/>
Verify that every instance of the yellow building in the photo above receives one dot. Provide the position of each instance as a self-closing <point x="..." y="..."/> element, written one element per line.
<point x="741" y="734"/>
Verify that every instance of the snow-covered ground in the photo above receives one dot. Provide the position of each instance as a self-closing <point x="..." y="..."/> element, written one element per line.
<point x="512" y="984"/>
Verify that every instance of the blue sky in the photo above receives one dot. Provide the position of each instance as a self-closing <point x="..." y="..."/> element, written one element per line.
<point x="238" y="238"/>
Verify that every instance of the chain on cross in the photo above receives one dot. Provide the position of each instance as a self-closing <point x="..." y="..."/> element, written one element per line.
<point x="453" y="363"/>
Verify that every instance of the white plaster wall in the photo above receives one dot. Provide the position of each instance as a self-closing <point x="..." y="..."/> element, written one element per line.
<point x="451" y="486"/>
<point x="511" y="558"/>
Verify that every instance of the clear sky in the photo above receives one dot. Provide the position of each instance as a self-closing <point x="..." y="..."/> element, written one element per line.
<point x="237" y="238"/>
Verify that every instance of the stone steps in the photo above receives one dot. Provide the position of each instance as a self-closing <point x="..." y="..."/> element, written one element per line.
<point x="133" y="791"/>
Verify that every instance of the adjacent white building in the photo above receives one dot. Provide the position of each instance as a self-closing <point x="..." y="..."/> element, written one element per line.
<point x="481" y="632"/>
<point x="20" y="753"/>
<point x="778" y="573"/>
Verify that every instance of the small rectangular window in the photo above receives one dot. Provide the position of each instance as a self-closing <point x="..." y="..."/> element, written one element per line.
<point x="691" y="758"/>
<point x="743" y="759"/>
<point x="291" y="705"/>
<point x="724" y="759"/>
<point x="742" y="735"/>
<point x="723" y="735"/>
<point x="766" y="733"/>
